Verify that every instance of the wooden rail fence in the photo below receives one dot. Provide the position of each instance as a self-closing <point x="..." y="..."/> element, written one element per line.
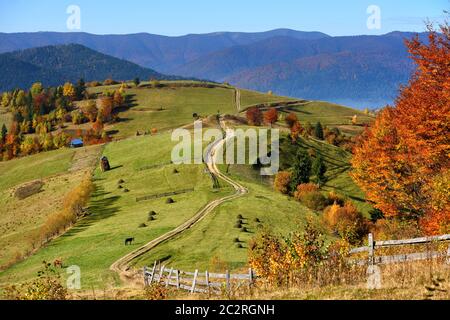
<point x="163" y="195"/>
<point x="407" y="257"/>
<point x="198" y="282"/>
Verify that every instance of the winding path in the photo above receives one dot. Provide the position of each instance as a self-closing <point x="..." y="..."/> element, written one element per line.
<point x="122" y="266"/>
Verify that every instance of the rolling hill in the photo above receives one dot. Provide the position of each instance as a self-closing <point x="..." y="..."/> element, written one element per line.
<point x="143" y="163"/>
<point x="53" y="65"/>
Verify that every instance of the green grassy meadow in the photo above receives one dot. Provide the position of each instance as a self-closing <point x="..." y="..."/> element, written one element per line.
<point x="249" y="97"/>
<point x="96" y="241"/>
<point x="143" y="163"/>
<point x="33" y="167"/>
<point x="214" y="237"/>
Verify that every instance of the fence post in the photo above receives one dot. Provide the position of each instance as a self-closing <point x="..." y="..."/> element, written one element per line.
<point x="228" y="280"/>
<point x="168" y="278"/>
<point x="250" y="275"/>
<point x="193" y="282"/>
<point x="371" y="245"/>
<point x="178" y="278"/>
<point x="207" y="280"/>
<point x="153" y="272"/>
<point x="161" y="273"/>
<point x="145" y="276"/>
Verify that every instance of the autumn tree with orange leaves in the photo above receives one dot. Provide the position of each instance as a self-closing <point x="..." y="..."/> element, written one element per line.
<point x="271" y="116"/>
<point x="402" y="160"/>
<point x="254" y="116"/>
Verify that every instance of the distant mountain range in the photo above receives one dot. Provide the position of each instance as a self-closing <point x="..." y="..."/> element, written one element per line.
<point x="54" y="65"/>
<point x="310" y="65"/>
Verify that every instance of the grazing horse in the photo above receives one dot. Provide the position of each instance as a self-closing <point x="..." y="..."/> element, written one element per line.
<point x="129" y="241"/>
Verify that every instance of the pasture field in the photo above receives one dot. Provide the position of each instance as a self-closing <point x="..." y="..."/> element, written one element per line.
<point x="330" y="115"/>
<point x="211" y="244"/>
<point x="249" y="97"/>
<point x="172" y="107"/>
<point x="95" y="242"/>
<point x="33" y="167"/>
<point x="21" y="219"/>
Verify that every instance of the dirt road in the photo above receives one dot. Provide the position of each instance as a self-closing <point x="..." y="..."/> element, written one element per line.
<point x="122" y="266"/>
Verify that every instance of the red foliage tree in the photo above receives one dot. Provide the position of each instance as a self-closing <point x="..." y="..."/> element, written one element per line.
<point x="404" y="154"/>
<point x="271" y="116"/>
<point x="254" y="116"/>
<point x="296" y="130"/>
<point x="291" y="119"/>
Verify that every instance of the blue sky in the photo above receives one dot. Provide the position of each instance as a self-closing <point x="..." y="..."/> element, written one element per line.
<point x="179" y="17"/>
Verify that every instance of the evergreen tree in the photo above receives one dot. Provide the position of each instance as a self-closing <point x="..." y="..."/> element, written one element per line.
<point x="3" y="133"/>
<point x="80" y="89"/>
<point x="301" y="169"/>
<point x="319" y="169"/>
<point x="136" y="81"/>
<point x="318" y="131"/>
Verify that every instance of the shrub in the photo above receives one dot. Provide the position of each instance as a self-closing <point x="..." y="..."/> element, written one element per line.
<point x="170" y="200"/>
<point x="47" y="286"/>
<point x="244" y="229"/>
<point x="282" y="181"/>
<point x="314" y="200"/>
<point x="239" y="216"/>
<point x="257" y="220"/>
<point x="346" y="221"/>
<point x="310" y="196"/>
<point x="142" y="225"/>
<point x="305" y="188"/>
<point x="282" y="260"/>
<point x="73" y="209"/>
<point x="238" y="225"/>
<point x="239" y="245"/>
<point x="334" y="197"/>
<point x="151" y="218"/>
<point x="236" y="240"/>
<point x="156" y="291"/>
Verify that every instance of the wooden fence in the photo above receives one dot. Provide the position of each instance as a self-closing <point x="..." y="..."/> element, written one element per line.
<point x="163" y="195"/>
<point x="407" y="257"/>
<point x="199" y="282"/>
